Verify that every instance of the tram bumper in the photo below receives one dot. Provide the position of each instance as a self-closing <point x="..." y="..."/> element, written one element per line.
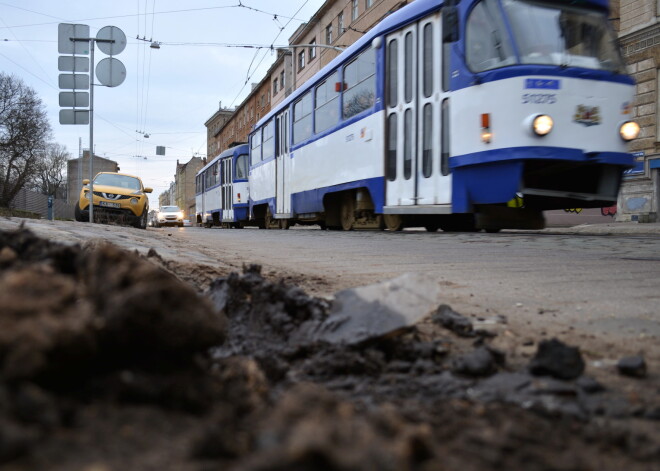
<point x="546" y="178"/>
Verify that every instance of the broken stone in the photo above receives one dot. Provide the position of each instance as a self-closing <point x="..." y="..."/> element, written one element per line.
<point x="452" y="320"/>
<point x="378" y="310"/>
<point x="634" y="366"/>
<point x="589" y="385"/>
<point x="558" y="360"/>
<point x="480" y="362"/>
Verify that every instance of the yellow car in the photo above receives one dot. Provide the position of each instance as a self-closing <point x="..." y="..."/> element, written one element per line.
<point x="117" y="196"/>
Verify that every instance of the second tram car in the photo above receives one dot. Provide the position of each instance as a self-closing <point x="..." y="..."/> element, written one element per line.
<point x="459" y="115"/>
<point x="221" y="189"/>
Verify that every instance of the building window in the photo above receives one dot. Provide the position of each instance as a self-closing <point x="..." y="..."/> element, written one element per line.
<point x="354" y="10"/>
<point x="301" y="60"/>
<point x="328" y="34"/>
<point x="275" y="87"/>
<point x="282" y="80"/>
<point x="368" y="3"/>
<point x="312" y="50"/>
<point x="340" y="24"/>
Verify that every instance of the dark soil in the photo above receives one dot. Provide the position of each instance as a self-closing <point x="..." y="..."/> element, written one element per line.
<point x="109" y="361"/>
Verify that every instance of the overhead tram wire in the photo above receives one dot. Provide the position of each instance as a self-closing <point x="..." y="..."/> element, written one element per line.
<point x="263" y="57"/>
<point x="239" y="5"/>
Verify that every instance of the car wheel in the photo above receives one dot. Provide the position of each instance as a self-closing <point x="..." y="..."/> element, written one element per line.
<point x="142" y="222"/>
<point x="76" y="213"/>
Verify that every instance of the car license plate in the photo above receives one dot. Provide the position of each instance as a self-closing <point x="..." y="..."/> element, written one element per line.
<point x="107" y="204"/>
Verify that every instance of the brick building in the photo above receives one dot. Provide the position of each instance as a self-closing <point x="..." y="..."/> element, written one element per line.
<point x="239" y="124"/>
<point x="638" y="25"/>
<point x="214" y="126"/>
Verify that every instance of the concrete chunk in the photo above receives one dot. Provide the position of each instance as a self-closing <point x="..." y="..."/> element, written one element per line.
<point x="378" y="310"/>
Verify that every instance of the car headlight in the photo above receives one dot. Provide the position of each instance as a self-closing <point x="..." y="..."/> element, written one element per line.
<point x="134" y="201"/>
<point x="179" y="215"/>
<point x="629" y="130"/>
<point x="542" y="124"/>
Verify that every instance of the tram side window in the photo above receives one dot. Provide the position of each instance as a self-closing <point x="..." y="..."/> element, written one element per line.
<point x="209" y="178"/>
<point x="360" y="84"/>
<point x="428" y="60"/>
<point x="392" y="73"/>
<point x="487" y="42"/>
<point x="241" y="167"/>
<point x="302" y="118"/>
<point x="268" y="141"/>
<point x="390" y="168"/>
<point x="326" y="113"/>
<point x="255" y="152"/>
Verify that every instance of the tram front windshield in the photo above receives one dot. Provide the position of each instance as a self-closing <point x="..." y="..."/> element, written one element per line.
<point x="541" y="33"/>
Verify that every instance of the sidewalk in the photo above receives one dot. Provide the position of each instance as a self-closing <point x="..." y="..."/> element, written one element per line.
<point x="609" y="228"/>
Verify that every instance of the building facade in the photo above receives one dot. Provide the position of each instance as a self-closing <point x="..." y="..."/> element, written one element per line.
<point x="214" y="126"/>
<point x="237" y="127"/>
<point x="638" y="26"/>
<point x="77" y="170"/>
<point x="184" y="181"/>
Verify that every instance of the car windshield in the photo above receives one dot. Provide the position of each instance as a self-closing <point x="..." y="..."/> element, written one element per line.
<point x="543" y="33"/>
<point x="121" y="181"/>
<point x="169" y="209"/>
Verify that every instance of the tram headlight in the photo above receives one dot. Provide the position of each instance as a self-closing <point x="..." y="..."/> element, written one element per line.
<point x="542" y="124"/>
<point x="629" y="130"/>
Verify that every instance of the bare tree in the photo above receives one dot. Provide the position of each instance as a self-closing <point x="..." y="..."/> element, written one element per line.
<point x="50" y="177"/>
<point x="24" y="132"/>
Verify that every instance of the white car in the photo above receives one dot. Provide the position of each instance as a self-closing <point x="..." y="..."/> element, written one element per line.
<point x="169" y="216"/>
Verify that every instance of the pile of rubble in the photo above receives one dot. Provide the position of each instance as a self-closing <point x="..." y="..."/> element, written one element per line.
<point x="108" y="361"/>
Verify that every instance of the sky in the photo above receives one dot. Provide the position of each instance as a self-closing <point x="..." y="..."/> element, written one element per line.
<point x="169" y="92"/>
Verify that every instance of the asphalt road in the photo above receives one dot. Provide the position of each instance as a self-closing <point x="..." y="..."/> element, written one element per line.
<point x="571" y="284"/>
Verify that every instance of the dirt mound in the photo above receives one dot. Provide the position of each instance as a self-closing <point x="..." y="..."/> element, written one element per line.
<point x="108" y="361"/>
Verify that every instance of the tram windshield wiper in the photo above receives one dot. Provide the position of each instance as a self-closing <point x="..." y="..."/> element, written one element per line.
<point x="497" y="42"/>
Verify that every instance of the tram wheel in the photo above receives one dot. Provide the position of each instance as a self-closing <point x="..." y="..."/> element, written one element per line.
<point x="432" y="226"/>
<point x="347" y="212"/>
<point x="269" y="222"/>
<point x="459" y="223"/>
<point x="393" y="222"/>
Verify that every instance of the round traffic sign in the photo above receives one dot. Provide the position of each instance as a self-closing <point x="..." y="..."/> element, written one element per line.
<point x="111" y="72"/>
<point x="111" y="33"/>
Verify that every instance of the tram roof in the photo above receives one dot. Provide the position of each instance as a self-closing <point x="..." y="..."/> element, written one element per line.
<point x="226" y="153"/>
<point x="411" y="12"/>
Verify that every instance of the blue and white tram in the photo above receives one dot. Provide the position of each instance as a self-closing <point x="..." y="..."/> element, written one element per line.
<point x="221" y="195"/>
<point x="459" y="115"/>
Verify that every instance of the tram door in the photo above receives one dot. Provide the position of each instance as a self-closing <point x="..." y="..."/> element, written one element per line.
<point x="415" y="165"/>
<point x="283" y="192"/>
<point x="227" y="190"/>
